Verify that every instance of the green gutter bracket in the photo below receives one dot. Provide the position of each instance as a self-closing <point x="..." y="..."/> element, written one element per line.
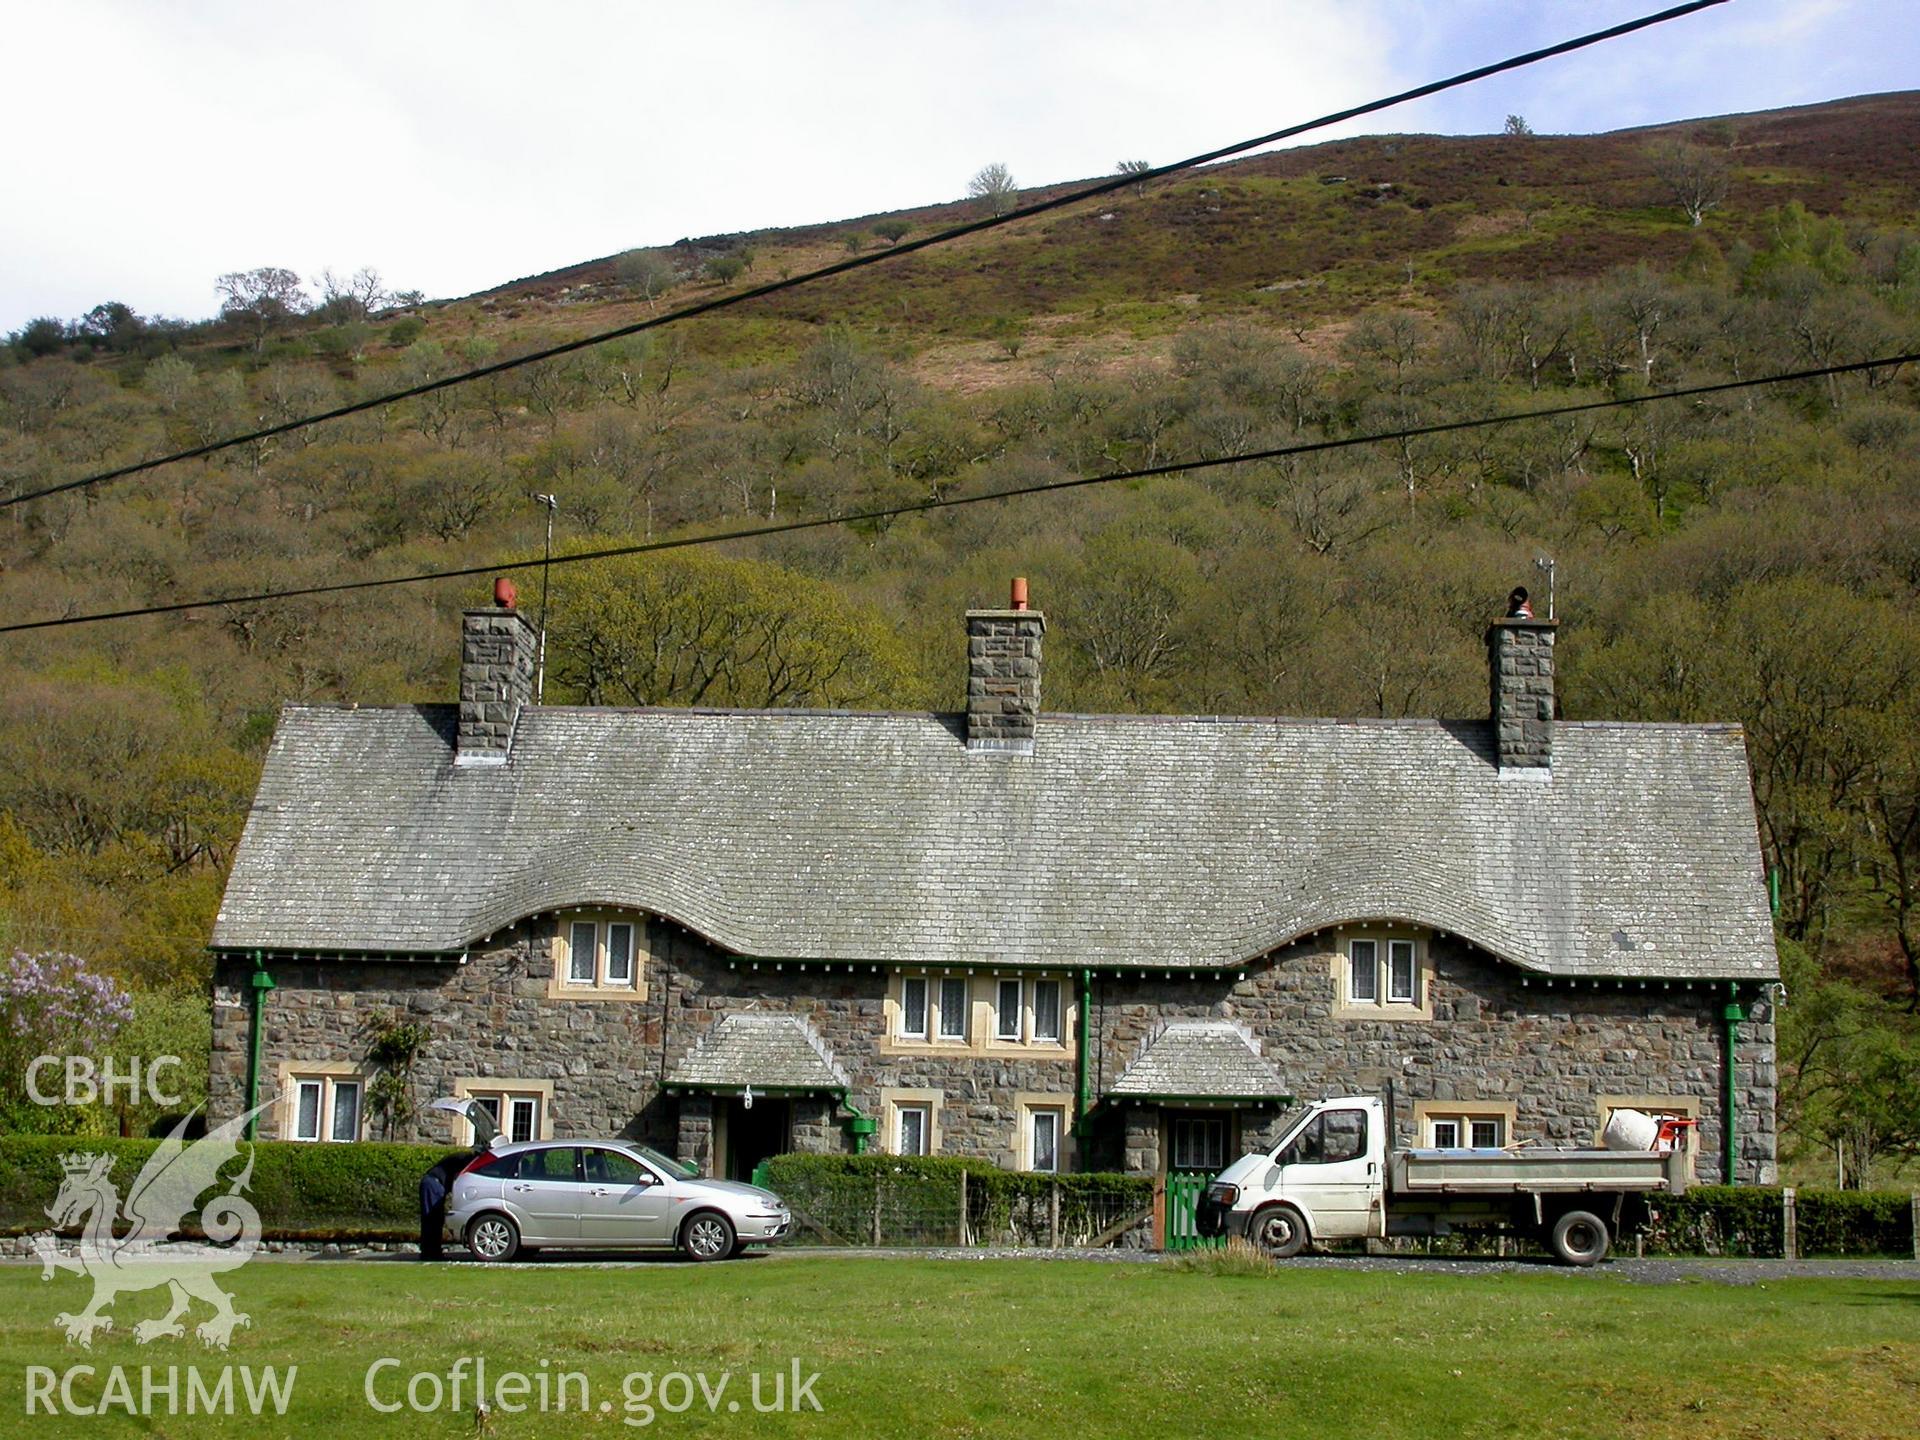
<point x="1733" y="1014"/>
<point x="258" y="986"/>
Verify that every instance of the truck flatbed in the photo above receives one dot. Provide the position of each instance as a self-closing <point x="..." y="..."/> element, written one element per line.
<point x="1514" y="1172"/>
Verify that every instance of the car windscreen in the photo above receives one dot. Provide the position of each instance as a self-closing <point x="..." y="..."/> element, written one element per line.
<point x="671" y="1167"/>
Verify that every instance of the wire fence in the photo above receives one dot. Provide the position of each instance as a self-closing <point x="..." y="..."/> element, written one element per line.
<point x="965" y="1208"/>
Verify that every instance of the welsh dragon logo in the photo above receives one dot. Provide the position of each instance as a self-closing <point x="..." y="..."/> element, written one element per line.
<point x="146" y="1255"/>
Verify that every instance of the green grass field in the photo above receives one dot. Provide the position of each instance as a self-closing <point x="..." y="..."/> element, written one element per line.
<point x="1021" y="1348"/>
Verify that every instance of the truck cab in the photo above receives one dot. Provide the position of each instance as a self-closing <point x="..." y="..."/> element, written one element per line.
<point x="1323" y="1179"/>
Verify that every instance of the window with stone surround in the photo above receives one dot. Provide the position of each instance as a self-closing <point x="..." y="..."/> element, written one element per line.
<point x="322" y="1102"/>
<point x="597" y="955"/>
<point x="1463" y="1124"/>
<point x="936" y="1010"/>
<point x="1382" y="975"/>
<point x="910" y="1121"/>
<point x="1042" y="1142"/>
<point x="520" y="1109"/>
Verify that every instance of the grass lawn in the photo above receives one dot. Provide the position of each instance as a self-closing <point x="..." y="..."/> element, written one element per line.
<point x="1022" y="1348"/>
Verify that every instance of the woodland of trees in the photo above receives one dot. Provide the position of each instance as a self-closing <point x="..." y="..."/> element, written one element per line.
<point x="1749" y="556"/>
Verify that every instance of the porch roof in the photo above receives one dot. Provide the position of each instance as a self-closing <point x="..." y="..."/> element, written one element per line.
<point x="1200" y="1060"/>
<point x="768" y="1052"/>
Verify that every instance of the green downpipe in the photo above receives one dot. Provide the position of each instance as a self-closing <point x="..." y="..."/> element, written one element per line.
<point x="1773" y="891"/>
<point x="859" y="1125"/>
<point x="1734" y="1013"/>
<point x="1080" y="1095"/>
<point x="257" y="987"/>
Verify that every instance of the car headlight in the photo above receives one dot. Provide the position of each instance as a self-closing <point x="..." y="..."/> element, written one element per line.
<point x="1224" y="1194"/>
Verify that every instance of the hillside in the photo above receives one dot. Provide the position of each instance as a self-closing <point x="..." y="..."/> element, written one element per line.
<point x="1755" y="556"/>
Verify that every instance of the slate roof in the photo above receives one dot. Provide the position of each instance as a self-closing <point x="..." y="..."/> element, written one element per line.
<point x="1201" y="1059"/>
<point x="778" y="1052"/>
<point x="1121" y="841"/>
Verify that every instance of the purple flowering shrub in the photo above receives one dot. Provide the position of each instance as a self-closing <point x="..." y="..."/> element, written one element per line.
<point x="51" y="1003"/>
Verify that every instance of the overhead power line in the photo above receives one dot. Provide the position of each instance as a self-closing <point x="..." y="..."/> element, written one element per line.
<point x="953" y="502"/>
<point x="876" y="257"/>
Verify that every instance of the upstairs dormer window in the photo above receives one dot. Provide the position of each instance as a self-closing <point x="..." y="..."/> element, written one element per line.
<point x="597" y="957"/>
<point x="1382" y="976"/>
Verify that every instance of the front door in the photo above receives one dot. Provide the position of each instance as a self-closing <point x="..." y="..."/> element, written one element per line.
<point x="755" y="1134"/>
<point x="624" y="1203"/>
<point x="1327" y="1168"/>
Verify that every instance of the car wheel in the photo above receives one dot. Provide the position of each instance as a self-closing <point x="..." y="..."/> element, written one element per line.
<point x="707" y="1235"/>
<point x="493" y="1237"/>
<point x="1280" y="1231"/>
<point x="1579" y="1238"/>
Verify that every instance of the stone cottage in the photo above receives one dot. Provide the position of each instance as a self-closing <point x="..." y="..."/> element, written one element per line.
<point x="1058" y="941"/>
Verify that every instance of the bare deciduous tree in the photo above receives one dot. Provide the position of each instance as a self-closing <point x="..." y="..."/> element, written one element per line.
<point x="261" y="299"/>
<point x="1696" y="178"/>
<point x="994" y="187"/>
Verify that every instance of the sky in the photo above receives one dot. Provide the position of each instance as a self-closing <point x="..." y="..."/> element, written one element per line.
<point x="456" y="146"/>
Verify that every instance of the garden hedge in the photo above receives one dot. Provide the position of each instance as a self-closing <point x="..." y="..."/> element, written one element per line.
<point x="364" y="1191"/>
<point x="915" y="1200"/>
<point x="1750" y="1221"/>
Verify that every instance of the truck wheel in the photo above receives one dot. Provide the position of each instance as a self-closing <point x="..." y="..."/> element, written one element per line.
<point x="1579" y="1238"/>
<point x="1280" y="1231"/>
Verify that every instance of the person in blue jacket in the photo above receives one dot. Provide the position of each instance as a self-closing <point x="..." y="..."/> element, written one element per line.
<point x="434" y="1188"/>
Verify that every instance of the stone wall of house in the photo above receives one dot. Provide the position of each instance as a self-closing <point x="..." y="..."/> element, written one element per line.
<point x="1494" y="1035"/>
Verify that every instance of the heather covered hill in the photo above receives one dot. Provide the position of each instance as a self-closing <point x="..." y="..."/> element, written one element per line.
<point x="1751" y="556"/>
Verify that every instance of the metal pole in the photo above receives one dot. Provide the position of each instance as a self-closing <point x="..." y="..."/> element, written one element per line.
<point x="552" y="502"/>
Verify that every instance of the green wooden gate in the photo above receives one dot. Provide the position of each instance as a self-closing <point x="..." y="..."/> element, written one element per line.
<point x="1183" y="1212"/>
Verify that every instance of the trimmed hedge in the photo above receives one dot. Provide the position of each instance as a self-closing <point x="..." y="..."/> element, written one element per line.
<point x="1854" y="1222"/>
<point x="363" y="1191"/>
<point x="1750" y="1221"/>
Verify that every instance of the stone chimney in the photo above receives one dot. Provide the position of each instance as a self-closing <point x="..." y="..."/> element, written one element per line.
<point x="1520" y="668"/>
<point x="496" y="678"/>
<point x="1003" y="675"/>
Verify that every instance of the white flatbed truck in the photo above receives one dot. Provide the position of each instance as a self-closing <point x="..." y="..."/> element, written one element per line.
<point x="1336" y="1175"/>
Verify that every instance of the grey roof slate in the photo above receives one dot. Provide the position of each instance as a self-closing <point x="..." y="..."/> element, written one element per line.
<point x="1201" y="1059"/>
<point x="1122" y="841"/>
<point x="775" y="1051"/>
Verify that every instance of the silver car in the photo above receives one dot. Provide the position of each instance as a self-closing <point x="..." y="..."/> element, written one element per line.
<point x="600" y="1195"/>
